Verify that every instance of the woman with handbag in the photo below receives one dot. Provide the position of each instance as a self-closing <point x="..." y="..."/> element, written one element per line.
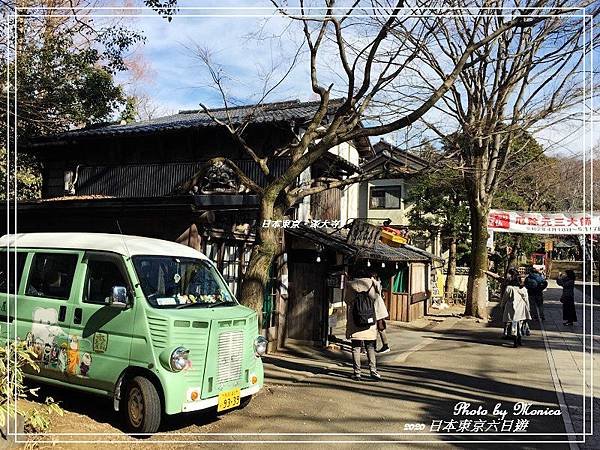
<point x="381" y="313"/>
<point x="567" y="281"/>
<point x="360" y="290"/>
<point x="515" y="305"/>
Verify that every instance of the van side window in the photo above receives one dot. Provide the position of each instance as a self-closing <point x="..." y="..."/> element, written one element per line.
<point x="51" y="275"/>
<point x="103" y="273"/>
<point x="7" y="281"/>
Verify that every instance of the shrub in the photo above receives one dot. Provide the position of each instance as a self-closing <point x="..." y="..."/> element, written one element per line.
<point x="15" y="356"/>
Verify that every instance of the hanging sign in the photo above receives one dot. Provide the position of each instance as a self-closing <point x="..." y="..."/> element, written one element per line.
<point x="363" y="234"/>
<point x="543" y="223"/>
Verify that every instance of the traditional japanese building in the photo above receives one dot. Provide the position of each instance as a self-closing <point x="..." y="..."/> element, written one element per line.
<point x="158" y="178"/>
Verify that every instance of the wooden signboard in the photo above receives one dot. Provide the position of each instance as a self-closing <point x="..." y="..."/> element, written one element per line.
<point x="363" y="234"/>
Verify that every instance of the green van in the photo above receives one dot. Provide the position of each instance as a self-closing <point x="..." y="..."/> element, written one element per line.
<point x="147" y="322"/>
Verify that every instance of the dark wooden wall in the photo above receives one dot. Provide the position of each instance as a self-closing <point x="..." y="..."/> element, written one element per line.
<point x="306" y="297"/>
<point x="326" y="205"/>
<point x="171" y="146"/>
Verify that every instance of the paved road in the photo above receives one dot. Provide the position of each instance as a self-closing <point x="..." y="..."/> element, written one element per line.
<point x="459" y="360"/>
<point x="570" y="351"/>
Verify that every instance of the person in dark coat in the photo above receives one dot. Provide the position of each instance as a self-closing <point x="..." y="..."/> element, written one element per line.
<point x="535" y="283"/>
<point x="567" y="281"/>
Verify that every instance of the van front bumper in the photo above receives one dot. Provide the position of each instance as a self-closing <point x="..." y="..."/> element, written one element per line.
<point x="213" y="401"/>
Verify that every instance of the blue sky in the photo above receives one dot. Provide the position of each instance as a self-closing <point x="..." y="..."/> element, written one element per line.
<point x="177" y="80"/>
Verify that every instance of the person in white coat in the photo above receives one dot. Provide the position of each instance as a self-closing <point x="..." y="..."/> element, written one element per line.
<point x="381" y="313"/>
<point x="516" y="313"/>
<point x="358" y="335"/>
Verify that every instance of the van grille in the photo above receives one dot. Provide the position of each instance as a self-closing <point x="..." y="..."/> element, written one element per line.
<point x="196" y="342"/>
<point x="231" y="348"/>
<point x="158" y="331"/>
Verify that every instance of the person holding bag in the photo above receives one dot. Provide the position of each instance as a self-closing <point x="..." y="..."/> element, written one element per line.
<point x="515" y="306"/>
<point x="361" y="325"/>
<point x="381" y="313"/>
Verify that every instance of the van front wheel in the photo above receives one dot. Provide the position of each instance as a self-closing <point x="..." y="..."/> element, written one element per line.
<point x="142" y="407"/>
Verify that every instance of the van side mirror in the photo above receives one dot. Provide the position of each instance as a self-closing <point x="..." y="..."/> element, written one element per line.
<point x="118" y="297"/>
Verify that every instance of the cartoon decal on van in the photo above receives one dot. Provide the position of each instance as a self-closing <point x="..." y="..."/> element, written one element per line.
<point x="100" y="342"/>
<point x="46" y="355"/>
<point x="42" y="339"/>
<point x="54" y="356"/>
<point x="29" y="340"/>
<point x="62" y="357"/>
<point x="44" y="326"/>
<point x="53" y="348"/>
<point x="38" y="348"/>
<point x="73" y="355"/>
<point x="86" y="362"/>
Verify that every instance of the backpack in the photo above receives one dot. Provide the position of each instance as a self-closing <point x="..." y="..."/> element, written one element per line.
<point x="531" y="284"/>
<point x="363" y="310"/>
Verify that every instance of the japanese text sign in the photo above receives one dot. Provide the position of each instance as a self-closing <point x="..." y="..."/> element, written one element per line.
<point x="543" y="223"/>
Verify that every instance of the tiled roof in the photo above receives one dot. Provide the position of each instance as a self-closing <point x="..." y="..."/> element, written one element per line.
<point x="289" y="111"/>
<point x="386" y="152"/>
<point x="336" y="239"/>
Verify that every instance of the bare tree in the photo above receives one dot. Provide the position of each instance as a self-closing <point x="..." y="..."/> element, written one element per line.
<point x="527" y="79"/>
<point x="576" y="180"/>
<point x="368" y="49"/>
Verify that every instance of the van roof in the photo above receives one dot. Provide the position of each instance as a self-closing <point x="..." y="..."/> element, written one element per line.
<point x="116" y="243"/>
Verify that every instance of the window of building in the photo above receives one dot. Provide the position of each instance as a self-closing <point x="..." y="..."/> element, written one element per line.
<point x="231" y="265"/>
<point x="10" y="279"/>
<point x="103" y="273"/>
<point x="231" y="258"/>
<point x="386" y="197"/>
<point x="51" y="275"/>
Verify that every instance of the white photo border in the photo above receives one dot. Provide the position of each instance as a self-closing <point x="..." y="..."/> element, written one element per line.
<point x="587" y="106"/>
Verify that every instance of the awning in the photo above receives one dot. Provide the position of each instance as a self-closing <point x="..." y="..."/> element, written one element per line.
<point x="336" y="240"/>
<point x="563" y="244"/>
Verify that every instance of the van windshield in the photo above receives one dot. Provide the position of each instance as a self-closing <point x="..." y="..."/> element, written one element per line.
<point x="169" y="282"/>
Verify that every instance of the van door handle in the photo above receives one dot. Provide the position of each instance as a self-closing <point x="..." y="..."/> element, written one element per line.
<point x="62" y="313"/>
<point x="77" y="316"/>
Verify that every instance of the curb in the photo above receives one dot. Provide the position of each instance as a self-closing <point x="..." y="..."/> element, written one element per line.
<point x="564" y="408"/>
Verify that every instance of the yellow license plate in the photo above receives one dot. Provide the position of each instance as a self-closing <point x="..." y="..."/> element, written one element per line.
<point x="229" y="399"/>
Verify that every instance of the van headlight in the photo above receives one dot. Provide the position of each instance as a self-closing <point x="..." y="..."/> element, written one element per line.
<point x="260" y="345"/>
<point x="179" y="359"/>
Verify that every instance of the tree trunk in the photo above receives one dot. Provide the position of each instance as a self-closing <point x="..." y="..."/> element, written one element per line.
<point x="449" y="287"/>
<point x="263" y="254"/>
<point x="477" y="291"/>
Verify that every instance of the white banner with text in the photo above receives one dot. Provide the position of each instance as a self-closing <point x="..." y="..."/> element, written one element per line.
<point x="543" y="223"/>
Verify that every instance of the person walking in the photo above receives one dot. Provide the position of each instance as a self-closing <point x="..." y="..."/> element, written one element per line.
<point x="515" y="302"/>
<point x="360" y="297"/>
<point x="567" y="281"/>
<point x="381" y="313"/>
<point x="535" y="283"/>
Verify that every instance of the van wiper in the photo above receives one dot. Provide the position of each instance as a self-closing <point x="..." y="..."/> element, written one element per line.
<point x="187" y="305"/>
<point x="222" y="303"/>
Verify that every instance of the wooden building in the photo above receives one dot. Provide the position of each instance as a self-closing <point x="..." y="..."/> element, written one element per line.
<point x="319" y="258"/>
<point x="153" y="178"/>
